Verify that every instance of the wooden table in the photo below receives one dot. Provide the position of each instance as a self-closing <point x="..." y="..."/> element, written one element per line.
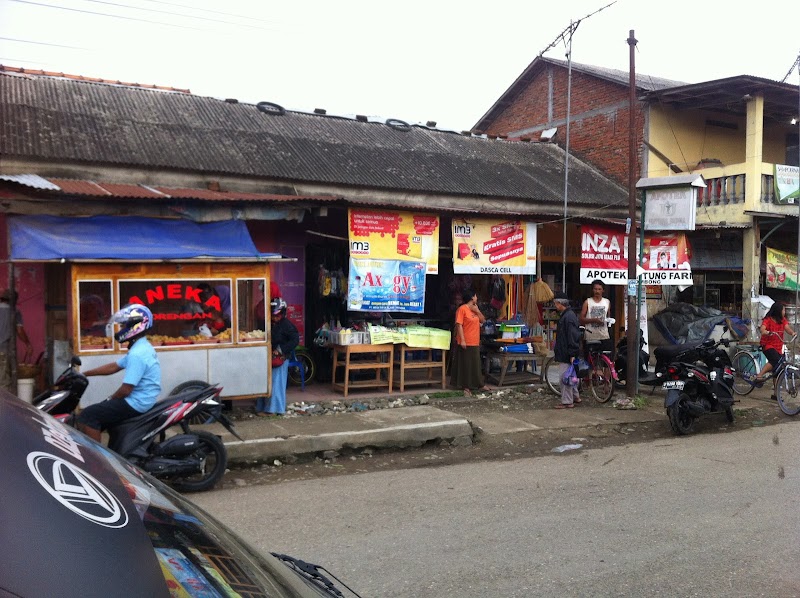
<point x="404" y="365"/>
<point x="381" y="360"/>
<point x="506" y="360"/>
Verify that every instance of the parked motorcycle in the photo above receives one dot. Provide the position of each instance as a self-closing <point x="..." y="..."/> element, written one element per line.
<point x="190" y="462"/>
<point x="621" y="361"/>
<point x="699" y="387"/>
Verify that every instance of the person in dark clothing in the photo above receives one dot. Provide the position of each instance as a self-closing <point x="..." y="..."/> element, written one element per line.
<point x="567" y="348"/>
<point x="285" y="338"/>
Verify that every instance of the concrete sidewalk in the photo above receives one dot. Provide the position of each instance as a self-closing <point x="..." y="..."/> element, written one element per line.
<point x="293" y="437"/>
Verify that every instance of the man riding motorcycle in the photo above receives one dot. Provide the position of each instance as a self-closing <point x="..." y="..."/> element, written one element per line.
<point x="142" y="381"/>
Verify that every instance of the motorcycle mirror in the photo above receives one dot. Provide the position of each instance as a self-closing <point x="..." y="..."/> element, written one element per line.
<point x="75" y="360"/>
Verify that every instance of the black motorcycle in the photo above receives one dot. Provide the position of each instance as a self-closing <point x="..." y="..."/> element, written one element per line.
<point x="699" y="387"/>
<point x="190" y="462"/>
<point x="621" y="361"/>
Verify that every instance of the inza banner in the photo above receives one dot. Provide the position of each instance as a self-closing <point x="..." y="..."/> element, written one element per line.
<point x="494" y="246"/>
<point x="386" y="285"/>
<point x="385" y="235"/>
<point x="604" y="256"/>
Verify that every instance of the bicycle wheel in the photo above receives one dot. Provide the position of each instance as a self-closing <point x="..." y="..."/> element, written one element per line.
<point x="744" y="364"/>
<point x="551" y="374"/>
<point x="787" y="390"/>
<point x="602" y="380"/>
<point x="309" y="368"/>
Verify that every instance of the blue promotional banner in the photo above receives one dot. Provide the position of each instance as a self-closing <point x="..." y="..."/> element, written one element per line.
<point x="386" y="285"/>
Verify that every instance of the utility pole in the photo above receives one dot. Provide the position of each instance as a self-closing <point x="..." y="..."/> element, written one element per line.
<point x="632" y="375"/>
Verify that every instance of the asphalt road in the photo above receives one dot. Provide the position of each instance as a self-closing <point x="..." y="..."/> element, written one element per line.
<point x="704" y="515"/>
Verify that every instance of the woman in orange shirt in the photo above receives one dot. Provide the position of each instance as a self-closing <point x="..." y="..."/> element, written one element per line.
<point x="465" y="370"/>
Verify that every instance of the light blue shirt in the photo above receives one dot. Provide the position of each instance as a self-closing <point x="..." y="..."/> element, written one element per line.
<point x="143" y="372"/>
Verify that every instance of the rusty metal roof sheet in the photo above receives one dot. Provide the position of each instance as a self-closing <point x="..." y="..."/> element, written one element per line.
<point x="58" y="119"/>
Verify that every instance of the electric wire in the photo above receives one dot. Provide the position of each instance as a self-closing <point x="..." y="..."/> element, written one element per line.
<point x="29" y="41"/>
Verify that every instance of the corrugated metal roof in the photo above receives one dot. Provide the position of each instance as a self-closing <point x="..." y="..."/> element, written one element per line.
<point x="55" y="119"/>
<point x="84" y="188"/>
<point x="30" y="180"/>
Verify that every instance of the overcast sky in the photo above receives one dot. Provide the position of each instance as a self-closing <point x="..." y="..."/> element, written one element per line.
<point x="415" y="60"/>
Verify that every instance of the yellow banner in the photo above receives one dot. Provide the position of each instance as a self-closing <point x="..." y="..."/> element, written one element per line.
<point x="404" y="236"/>
<point x="494" y="246"/>
<point x="781" y="270"/>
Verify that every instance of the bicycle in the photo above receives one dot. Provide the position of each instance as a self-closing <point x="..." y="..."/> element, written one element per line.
<point x="600" y="380"/>
<point x="786" y="376"/>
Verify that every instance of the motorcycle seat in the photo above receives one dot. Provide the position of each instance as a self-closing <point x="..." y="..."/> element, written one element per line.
<point x="670" y="352"/>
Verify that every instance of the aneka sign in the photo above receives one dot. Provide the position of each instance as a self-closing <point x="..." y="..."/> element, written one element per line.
<point x="386" y="285"/>
<point x="400" y="236"/>
<point x="604" y="256"/>
<point x="494" y="247"/>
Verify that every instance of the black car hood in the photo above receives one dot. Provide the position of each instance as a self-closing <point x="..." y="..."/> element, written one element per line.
<point x="68" y="525"/>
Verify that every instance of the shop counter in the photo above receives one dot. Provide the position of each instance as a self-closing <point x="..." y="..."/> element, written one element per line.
<point x="368" y="357"/>
<point x="425" y="360"/>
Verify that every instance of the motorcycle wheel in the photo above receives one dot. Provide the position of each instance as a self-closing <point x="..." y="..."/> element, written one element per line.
<point x="203" y="417"/>
<point x="602" y="381"/>
<point x="680" y="419"/>
<point x="215" y="460"/>
<point x="551" y="374"/>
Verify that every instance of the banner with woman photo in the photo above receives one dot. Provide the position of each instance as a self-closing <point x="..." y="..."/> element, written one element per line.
<point x="604" y="256"/>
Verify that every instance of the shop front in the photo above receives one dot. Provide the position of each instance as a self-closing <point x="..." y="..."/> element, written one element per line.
<point x="206" y="285"/>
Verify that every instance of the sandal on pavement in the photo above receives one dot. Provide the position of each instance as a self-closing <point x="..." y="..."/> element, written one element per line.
<point x="563" y="406"/>
<point x="576" y="401"/>
<point x="467" y="392"/>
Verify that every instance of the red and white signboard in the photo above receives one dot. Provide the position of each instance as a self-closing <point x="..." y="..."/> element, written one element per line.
<point x="604" y="256"/>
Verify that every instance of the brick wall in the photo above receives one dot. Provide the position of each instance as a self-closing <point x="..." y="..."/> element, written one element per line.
<point x="598" y="123"/>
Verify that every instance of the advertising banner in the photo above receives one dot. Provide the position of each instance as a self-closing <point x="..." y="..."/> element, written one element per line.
<point x="494" y="247"/>
<point x="604" y="256"/>
<point x="787" y="184"/>
<point x="386" y="285"/>
<point x="781" y="270"/>
<point x="385" y="235"/>
<point x="665" y="260"/>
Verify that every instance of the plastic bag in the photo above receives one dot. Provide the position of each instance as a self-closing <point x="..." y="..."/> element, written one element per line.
<point x="570" y="378"/>
<point x="582" y="368"/>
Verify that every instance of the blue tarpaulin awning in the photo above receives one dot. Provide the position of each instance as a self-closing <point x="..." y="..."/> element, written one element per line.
<point x="48" y="238"/>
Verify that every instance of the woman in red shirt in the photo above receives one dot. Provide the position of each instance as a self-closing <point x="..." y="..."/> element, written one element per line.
<point x="772" y="328"/>
<point x="465" y="369"/>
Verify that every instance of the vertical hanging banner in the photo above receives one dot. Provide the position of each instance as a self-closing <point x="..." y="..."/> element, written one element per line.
<point x="787" y="184"/>
<point x="781" y="270"/>
<point x="385" y="235"/>
<point x="665" y="260"/>
<point x="494" y="246"/>
<point x="604" y="255"/>
<point x="386" y="285"/>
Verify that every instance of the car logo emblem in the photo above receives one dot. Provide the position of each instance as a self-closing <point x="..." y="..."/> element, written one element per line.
<point x="77" y="490"/>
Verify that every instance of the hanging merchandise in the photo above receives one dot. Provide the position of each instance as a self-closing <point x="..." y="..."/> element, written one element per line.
<point x="531" y="314"/>
<point x="498" y="292"/>
<point x="541" y="291"/>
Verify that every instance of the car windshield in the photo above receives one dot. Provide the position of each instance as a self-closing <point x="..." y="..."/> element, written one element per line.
<point x="198" y="555"/>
